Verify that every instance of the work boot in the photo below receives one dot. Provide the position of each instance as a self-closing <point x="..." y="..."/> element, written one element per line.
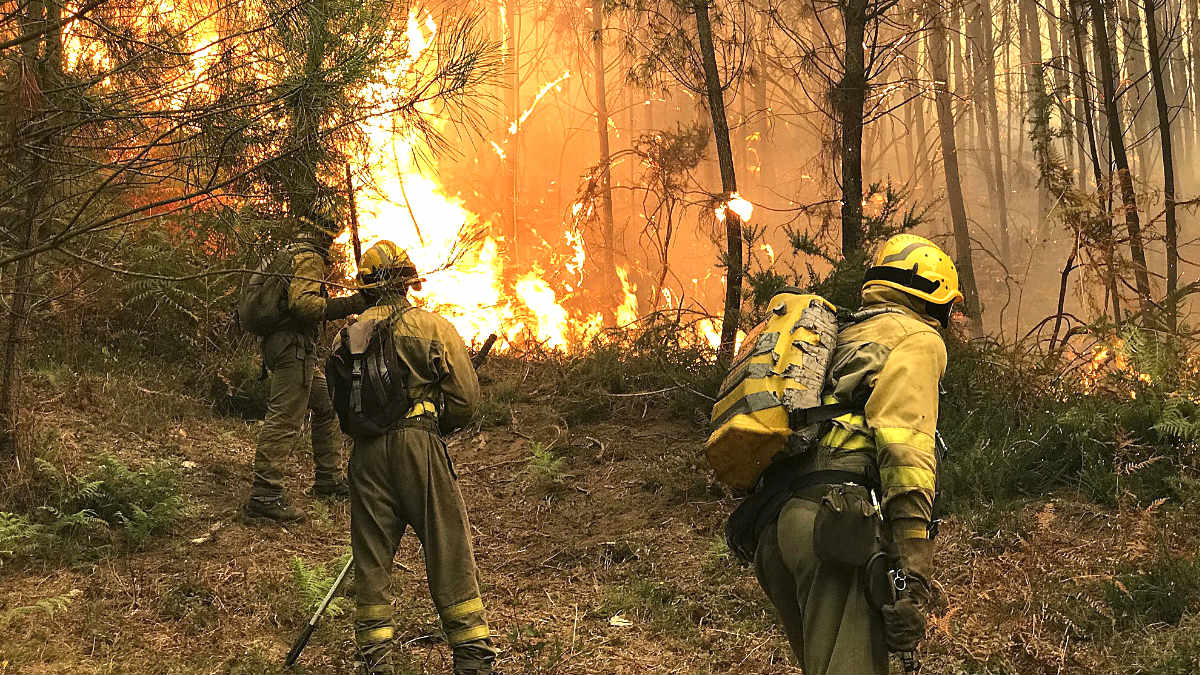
<point x="274" y="509"/>
<point x="376" y="660"/>
<point x="474" y="658"/>
<point x="330" y="489"/>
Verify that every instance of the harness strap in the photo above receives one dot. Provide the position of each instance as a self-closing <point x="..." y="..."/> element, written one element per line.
<point x="798" y="419"/>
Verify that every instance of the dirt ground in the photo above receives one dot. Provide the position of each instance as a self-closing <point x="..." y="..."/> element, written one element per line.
<point x="606" y="555"/>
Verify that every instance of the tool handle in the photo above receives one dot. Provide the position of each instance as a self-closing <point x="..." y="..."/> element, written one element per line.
<point x="299" y="644"/>
<point x="482" y="354"/>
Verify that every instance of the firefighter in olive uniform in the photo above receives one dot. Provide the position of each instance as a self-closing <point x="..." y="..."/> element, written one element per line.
<point x="406" y="478"/>
<point x="886" y="369"/>
<point x="295" y="383"/>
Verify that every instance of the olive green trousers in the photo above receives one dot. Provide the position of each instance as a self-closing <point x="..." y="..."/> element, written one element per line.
<point x="823" y="606"/>
<point x="296" y="386"/>
<point x="405" y="479"/>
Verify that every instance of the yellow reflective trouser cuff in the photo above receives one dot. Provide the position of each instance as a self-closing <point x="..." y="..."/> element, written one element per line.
<point x="422" y="408"/>
<point x="902" y="436"/>
<point x="907" y="477"/>
<point x="374" y="635"/>
<point x="459" y="610"/>
<point x="468" y="634"/>
<point x="369" y="612"/>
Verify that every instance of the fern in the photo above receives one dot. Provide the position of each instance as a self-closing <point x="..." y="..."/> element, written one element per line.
<point x="545" y="465"/>
<point x="49" y="606"/>
<point x="313" y="582"/>
<point x="18" y="536"/>
<point x="1178" y="421"/>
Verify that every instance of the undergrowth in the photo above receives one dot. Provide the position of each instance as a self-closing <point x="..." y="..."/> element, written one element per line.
<point x="1118" y="428"/>
<point x="86" y="514"/>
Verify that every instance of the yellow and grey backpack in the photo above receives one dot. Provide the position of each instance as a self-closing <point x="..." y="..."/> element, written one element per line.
<point x="770" y="406"/>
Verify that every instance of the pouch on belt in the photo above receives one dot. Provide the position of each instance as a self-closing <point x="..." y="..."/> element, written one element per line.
<point x="846" y="530"/>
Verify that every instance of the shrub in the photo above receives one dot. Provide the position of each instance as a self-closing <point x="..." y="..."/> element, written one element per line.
<point x="110" y="502"/>
<point x="1018" y="425"/>
<point x="1159" y="592"/>
<point x="139" y="502"/>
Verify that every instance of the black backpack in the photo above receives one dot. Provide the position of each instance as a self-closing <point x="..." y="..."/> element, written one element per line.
<point x="367" y="381"/>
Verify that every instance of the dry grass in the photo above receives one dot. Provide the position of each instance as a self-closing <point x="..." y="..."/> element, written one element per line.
<point x="616" y="566"/>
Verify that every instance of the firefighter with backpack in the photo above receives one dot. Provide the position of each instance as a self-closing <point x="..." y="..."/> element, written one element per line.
<point x="401" y="378"/>
<point x="831" y="421"/>
<point x="284" y="303"/>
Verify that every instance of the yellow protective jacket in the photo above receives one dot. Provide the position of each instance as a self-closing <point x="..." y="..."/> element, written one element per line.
<point x="889" y="367"/>
<point x="436" y="359"/>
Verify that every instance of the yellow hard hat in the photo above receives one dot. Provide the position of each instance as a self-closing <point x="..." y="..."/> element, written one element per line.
<point x="916" y="266"/>
<point x="387" y="265"/>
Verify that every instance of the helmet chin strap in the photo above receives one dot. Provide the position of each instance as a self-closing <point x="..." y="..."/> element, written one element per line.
<point x="940" y="312"/>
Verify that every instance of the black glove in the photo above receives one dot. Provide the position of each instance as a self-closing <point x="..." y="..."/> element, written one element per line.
<point x="903" y="625"/>
<point x="340" y="308"/>
<point x="904" y="620"/>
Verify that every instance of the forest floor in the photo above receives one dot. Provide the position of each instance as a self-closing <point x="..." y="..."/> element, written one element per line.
<point x="599" y="543"/>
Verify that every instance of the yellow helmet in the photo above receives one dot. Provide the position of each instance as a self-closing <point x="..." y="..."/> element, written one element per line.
<point x="916" y="266"/>
<point x="386" y="265"/>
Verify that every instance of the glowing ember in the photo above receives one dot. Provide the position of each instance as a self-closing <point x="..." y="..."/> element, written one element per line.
<point x="738" y="205"/>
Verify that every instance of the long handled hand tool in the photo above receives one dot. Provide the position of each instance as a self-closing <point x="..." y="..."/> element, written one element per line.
<point x="302" y="640"/>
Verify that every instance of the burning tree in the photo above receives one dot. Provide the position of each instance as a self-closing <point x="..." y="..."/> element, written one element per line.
<point x="195" y="128"/>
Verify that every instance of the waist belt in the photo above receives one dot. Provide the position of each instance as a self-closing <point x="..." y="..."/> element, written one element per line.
<point x="421" y="408"/>
<point x="422" y="415"/>
<point x="781" y="482"/>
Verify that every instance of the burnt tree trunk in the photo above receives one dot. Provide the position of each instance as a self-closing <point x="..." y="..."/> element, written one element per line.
<point x="1168" y="162"/>
<point x="510" y="202"/>
<point x="1083" y="90"/>
<point x="1035" y="86"/>
<point x="849" y="99"/>
<point x="733" y="222"/>
<point x="992" y="109"/>
<point x="1120" y="157"/>
<point x="612" y="284"/>
<point x="35" y="138"/>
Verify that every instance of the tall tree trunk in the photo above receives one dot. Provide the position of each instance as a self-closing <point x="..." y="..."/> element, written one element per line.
<point x="510" y="203"/>
<point x="42" y="70"/>
<point x="1121" y="158"/>
<point x="1035" y="85"/>
<point x="958" y="64"/>
<point x="1136" y="71"/>
<point x="763" y="146"/>
<point x="993" y="110"/>
<point x="1083" y="90"/>
<point x="1168" y="162"/>
<point x="954" y="194"/>
<point x="612" y="283"/>
<point x="1193" y="7"/>
<point x="850" y="97"/>
<point x="733" y="222"/>
<point x="1058" y="57"/>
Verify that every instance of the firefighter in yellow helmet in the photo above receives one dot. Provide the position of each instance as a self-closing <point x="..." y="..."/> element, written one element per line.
<point x="405" y="477"/>
<point x="842" y="616"/>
